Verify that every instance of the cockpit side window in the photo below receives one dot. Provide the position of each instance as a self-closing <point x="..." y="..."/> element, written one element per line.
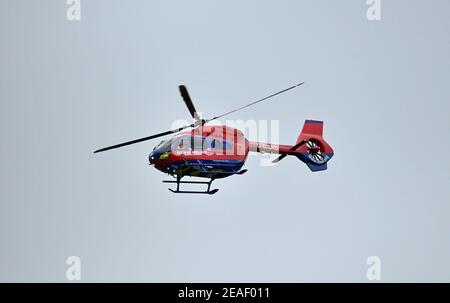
<point x="181" y="143"/>
<point x="197" y="143"/>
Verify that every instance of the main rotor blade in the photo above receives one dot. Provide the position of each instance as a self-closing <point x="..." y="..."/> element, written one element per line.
<point x="257" y="101"/>
<point x="144" y="139"/>
<point x="281" y="157"/>
<point x="188" y="101"/>
<point x="193" y="111"/>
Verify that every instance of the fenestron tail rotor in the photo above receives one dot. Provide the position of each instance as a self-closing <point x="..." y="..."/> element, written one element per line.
<point x="315" y="151"/>
<point x="198" y="121"/>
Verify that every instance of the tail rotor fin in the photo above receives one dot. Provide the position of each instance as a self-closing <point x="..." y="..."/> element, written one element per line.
<point x="316" y="152"/>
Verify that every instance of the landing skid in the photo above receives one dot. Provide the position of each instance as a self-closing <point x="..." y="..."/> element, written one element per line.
<point x="178" y="191"/>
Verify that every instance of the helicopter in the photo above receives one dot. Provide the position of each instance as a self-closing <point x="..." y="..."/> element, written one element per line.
<point x="214" y="152"/>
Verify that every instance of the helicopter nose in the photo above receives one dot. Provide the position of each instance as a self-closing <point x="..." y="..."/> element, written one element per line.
<point x="151" y="158"/>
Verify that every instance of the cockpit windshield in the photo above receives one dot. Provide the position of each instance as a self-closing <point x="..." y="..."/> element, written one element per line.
<point x="163" y="146"/>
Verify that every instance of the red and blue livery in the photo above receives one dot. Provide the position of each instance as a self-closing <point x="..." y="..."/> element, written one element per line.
<point x="214" y="152"/>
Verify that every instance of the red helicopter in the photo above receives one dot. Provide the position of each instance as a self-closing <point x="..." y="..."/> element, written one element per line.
<point x="215" y="152"/>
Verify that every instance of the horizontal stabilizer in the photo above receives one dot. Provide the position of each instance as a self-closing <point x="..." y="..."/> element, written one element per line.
<point x="314" y="167"/>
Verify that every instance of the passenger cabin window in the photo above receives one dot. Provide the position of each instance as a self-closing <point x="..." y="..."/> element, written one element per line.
<point x="217" y="144"/>
<point x="197" y="143"/>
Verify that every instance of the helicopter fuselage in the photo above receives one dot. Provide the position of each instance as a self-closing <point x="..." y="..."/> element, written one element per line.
<point x="214" y="152"/>
<point x="208" y="151"/>
<point x="221" y="151"/>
